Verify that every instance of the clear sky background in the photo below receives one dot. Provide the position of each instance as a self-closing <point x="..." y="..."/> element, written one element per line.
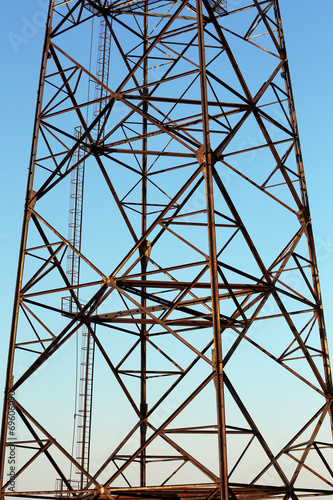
<point x="307" y="28"/>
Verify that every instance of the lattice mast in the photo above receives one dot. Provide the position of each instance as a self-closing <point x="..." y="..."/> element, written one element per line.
<point x="198" y="281"/>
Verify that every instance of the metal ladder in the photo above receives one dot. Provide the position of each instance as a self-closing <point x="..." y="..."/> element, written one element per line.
<point x="103" y="64"/>
<point x="75" y="219"/>
<point x="85" y="404"/>
<point x="84" y="413"/>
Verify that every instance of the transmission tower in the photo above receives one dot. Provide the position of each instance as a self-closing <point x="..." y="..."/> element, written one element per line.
<point x="193" y="271"/>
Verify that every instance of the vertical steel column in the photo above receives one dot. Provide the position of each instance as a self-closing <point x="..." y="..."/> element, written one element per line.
<point x="305" y="218"/>
<point x="29" y="203"/>
<point x="207" y="166"/>
<point x="144" y="257"/>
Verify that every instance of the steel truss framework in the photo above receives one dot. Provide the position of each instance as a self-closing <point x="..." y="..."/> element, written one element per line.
<point x="198" y="276"/>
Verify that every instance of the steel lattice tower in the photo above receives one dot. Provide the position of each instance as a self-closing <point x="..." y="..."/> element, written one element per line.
<point x="195" y="272"/>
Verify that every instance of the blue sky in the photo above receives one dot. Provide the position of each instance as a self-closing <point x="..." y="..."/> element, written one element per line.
<point x="309" y="47"/>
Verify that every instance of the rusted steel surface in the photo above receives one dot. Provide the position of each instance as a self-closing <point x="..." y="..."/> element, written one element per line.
<point x="198" y="280"/>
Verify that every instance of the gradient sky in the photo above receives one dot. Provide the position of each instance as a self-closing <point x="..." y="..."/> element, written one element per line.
<point x="307" y="27"/>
